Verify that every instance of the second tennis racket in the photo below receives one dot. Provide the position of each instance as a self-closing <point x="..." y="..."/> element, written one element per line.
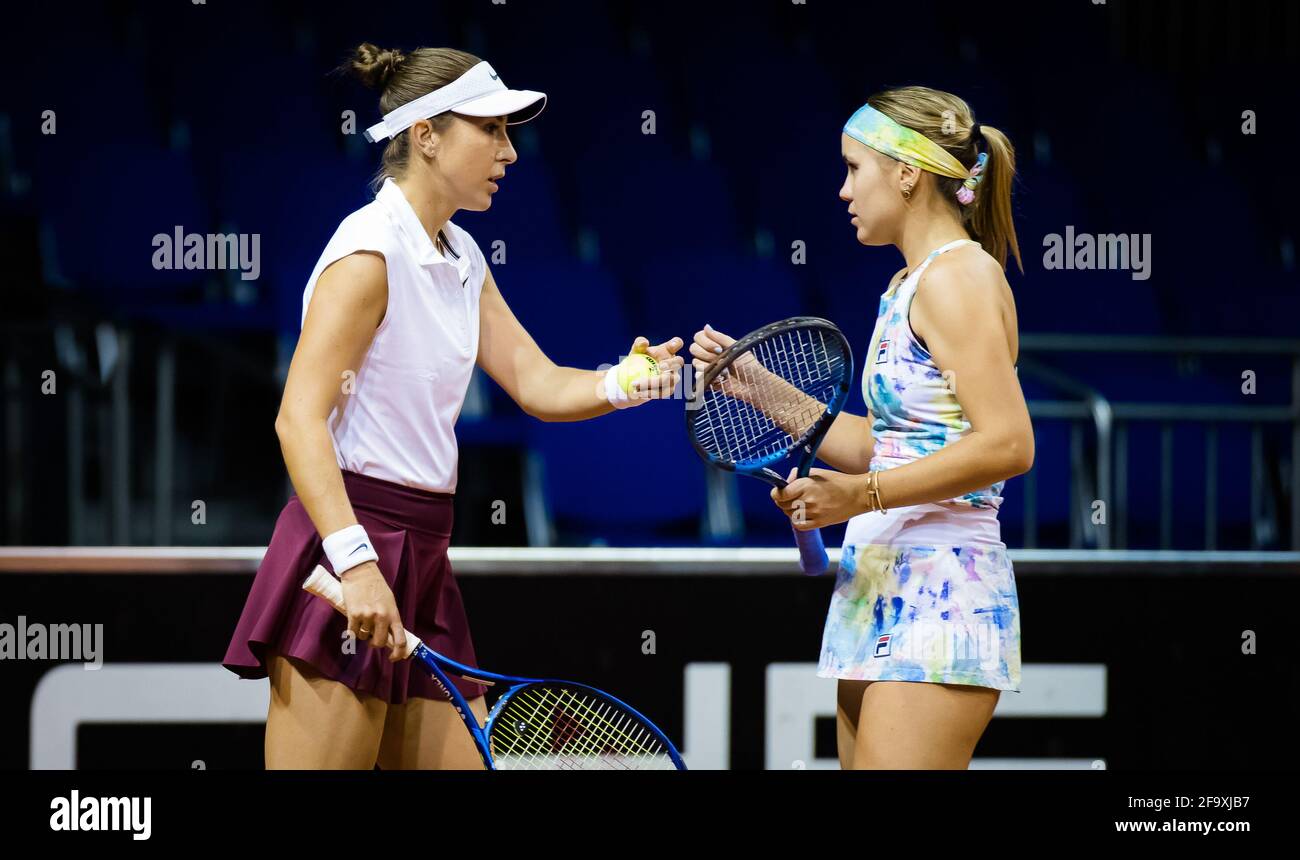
<point x="770" y="396"/>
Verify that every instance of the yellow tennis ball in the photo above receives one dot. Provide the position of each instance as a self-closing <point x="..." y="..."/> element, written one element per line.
<point x="636" y="366"/>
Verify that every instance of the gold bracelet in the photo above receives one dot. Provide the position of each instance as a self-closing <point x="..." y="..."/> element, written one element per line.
<point x="874" y="490"/>
<point x="873" y="502"/>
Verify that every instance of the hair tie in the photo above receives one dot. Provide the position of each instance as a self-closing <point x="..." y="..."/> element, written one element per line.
<point x="966" y="194"/>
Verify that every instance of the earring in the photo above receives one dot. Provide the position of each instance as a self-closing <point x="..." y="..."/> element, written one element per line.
<point x="907" y="193"/>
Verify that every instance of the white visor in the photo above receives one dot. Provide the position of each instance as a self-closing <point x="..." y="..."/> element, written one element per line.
<point x="478" y="92"/>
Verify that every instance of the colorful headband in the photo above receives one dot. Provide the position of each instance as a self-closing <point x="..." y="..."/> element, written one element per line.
<point x="872" y="128"/>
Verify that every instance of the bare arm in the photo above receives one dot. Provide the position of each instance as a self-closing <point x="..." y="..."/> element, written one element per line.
<point x="848" y="444"/>
<point x="348" y="304"/>
<point x="968" y="340"/>
<point x="508" y="353"/>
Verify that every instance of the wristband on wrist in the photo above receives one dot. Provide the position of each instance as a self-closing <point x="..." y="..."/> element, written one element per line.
<point x="349" y="547"/>
<point x="614" y="393"/>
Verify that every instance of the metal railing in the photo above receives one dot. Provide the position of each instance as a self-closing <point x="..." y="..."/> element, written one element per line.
<point x="1103" y="473"/>
<point x="1099" y="432"/>
<point x="92" y="373"/>
<point x="1108" y="473"/>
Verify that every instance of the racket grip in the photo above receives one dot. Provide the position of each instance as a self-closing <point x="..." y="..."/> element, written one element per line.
<point x="812" y="552"/>
<point x="323" y="584"/>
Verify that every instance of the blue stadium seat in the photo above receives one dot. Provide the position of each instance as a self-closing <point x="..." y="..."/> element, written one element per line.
<point x="630" y="477"/>
<point x="676" y="295"/>
<point x="102" y="207"/>
<point x="575" y="313"/>
<point x="661" y="206"/>
<point x="525" y="215"/>
<point x="573" y="310"/>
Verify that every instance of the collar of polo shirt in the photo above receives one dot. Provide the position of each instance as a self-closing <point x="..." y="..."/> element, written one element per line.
<point x="478" y="92"/>
<point x="422" y="247"/>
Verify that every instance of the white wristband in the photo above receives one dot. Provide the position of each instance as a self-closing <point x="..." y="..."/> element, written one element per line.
<point x="614" y="393"/>
<point x="349" y="547"/>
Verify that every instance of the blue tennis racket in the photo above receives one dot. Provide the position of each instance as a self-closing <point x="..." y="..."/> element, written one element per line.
<point x="769" y="396"/>
<point x="538" y="724"/>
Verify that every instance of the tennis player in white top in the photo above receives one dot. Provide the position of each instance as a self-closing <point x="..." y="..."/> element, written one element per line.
<point x="400" y="308"/>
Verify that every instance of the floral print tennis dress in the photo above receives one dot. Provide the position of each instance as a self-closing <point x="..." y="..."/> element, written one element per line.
<point x="923" y="593"/>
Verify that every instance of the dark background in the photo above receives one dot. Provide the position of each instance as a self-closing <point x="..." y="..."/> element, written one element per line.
<point x="224" y="117"/>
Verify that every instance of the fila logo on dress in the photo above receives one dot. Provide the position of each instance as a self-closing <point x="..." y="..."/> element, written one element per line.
<point x="882" y="351"/>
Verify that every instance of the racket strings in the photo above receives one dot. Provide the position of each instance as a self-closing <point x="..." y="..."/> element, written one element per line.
<point x="552" y="727"/>
<point x="593" y="738"/>
<point x="559" y="738"/>
<point x="607" y="735"/>
<point x="799" y="367"/>
<point x="770" y="397"/>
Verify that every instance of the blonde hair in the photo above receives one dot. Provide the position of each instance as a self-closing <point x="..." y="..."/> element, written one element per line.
<point x="947" y="120"/>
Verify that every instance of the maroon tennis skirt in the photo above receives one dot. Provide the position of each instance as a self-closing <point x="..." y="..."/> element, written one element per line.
<point x="410" y="530"/>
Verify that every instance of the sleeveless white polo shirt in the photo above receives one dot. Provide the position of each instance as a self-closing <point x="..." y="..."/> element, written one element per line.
<point x="398" y="422"/>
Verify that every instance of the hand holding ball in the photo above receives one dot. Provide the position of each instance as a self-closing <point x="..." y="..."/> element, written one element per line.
<point x="648" y="373"/>
<point x="634" y="368"/>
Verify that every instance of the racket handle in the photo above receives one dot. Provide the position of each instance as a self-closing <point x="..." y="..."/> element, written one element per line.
<point x="812" y="552"/>
<point x="323" y="584"/>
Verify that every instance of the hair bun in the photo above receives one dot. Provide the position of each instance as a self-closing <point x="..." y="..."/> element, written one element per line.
<point x="376" y="66"/>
